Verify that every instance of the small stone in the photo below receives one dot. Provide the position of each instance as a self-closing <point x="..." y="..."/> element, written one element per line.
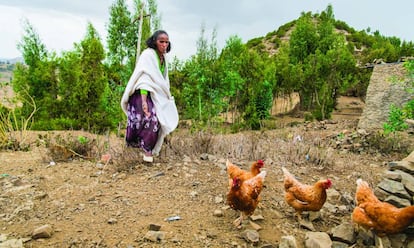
<point x="255" y="226"/>
<point x="306" y="224"/>
<point x="218" y="199"/>
<point x="218" y="213"/>
<point x="112" y="221"/>
<point x="251" y="236"/>
<point x="154" y="227"/>
<point x="44" y="231"/>
<point x="288" y="242"/>
<point x="256" y="217"/>
<point x="154" y="236"/>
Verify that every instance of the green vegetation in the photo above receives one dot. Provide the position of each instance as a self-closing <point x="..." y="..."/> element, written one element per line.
<point x="396" y="120"/>
<point x="315" y="55"/>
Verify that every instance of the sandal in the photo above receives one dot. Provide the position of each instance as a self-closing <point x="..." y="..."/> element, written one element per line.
<point x="148" y="157"/>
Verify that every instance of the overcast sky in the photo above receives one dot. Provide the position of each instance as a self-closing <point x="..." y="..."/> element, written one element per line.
<point x="60" y="23"/>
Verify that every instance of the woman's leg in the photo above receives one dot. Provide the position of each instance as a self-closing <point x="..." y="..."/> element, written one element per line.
<point x="150" y="127"/>
<point x="142" y="131"/>
<point x="134" y="122"/>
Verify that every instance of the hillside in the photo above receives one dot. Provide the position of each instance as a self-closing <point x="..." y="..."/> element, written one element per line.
<point x="367" y="46"/>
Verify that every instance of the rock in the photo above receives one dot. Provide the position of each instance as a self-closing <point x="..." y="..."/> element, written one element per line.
<point x="44" y="231"/>
<point x="154" y="227"/>
<point x="251" y="236"/>
<point x="383" y="242"/>
<point x="330" y="207"/>
<point x="398" y="240"/>
<point x="403" y="165"/>
<point x="398" y="202"/>
<point x="317" y="240"/>
<point x="12" y="243"/>
<point x="314" y="215"/>
<point x="154" y="236"/>
<point x="204" y="156"/>
<point x="381" y="194"/>
<point x="407" y="180"/>
<point x="255" y="226"/>
<point x="337" y="244"/>
<point x="395" y="188"/>
<point x="218" y="213"/>
<point x="366" y="237"/>
<point x="333" y="194"/>
<point x="306" y="224"/>
<point x="410" y="158"/>
<point x="288" y="242"/>
<point x="218" y="199"/>
<point x="393" y="175"/>
<point x="112" y="221"/>
<point x="344" y="233"/>
<point x="256" y="217"/>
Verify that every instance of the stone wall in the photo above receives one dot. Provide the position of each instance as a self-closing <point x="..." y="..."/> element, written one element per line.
<point x="381" y="93"/>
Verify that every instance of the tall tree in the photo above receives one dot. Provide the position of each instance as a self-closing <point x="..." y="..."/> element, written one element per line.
<point x="83" y="83"/>
<point x="38" y="77"/>
<point x="304" y="38"/>
<point x="202" y="91"/>
<point x="324" y="61"/>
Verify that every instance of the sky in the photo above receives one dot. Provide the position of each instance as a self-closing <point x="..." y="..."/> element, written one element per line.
<point x="61" y="23"/>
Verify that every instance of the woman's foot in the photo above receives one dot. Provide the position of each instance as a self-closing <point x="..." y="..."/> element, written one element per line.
<point x="148" y="157"/>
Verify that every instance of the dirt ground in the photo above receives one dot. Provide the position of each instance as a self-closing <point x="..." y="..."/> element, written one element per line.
<point x="89" y="203"/>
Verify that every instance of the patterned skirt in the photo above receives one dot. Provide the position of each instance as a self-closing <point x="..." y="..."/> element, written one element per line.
<point x="141" y="131"/>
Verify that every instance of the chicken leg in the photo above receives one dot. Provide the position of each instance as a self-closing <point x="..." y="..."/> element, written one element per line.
<point x="239" y="221"/>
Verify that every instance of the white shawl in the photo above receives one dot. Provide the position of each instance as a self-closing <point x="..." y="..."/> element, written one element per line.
<point x="147" y="76"/>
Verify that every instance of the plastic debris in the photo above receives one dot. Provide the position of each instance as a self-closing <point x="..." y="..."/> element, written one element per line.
<point x="173" y="218"/>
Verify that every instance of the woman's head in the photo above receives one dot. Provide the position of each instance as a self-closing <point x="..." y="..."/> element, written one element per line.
<point x="159" y="41"/>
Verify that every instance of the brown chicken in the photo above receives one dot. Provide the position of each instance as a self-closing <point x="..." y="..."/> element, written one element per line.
<point x="381" y="217"/>
<point x="304" y="197"/>
<point x="244" y="195"/>
<point x="235" y="171"/>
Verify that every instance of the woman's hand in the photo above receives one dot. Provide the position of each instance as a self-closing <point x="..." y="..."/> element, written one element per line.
<point x="145" y="105"/>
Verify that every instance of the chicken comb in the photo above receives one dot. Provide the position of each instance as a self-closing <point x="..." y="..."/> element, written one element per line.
<point x="260" y="162"/>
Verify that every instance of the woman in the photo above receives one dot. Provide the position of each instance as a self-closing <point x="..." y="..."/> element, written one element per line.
<point x="147" y="100"/>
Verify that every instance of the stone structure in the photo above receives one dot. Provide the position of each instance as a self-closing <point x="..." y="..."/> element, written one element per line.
<point x="384" y="89"/>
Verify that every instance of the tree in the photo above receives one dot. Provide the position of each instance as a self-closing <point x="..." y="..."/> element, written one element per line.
<point x="202" y="90"/>
<point x="38" y="77"/>
<point x="84" y="85"/>
<point x="304" y="39"/>
<point x="230" y="66"/>
<point x="321" y="57"/>
<point x="123" y="35"/>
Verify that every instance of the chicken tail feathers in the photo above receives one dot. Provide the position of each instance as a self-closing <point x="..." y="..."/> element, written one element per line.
<point x="361" y="183"/>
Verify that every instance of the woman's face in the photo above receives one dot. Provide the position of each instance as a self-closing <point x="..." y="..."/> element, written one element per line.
<point x="162" y="43"/>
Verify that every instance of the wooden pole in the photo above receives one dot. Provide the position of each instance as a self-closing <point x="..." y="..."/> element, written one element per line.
<point x="141" y="20"/>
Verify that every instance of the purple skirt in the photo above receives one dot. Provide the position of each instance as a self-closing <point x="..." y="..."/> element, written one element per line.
<point x="141" y="131"/>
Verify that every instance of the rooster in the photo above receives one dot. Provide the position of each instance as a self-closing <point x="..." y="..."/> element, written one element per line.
<point x="244" y="195"/>
<point x="304" y="197"/>
<point x="381" y="217"/>
<point x="235" y="171"/>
